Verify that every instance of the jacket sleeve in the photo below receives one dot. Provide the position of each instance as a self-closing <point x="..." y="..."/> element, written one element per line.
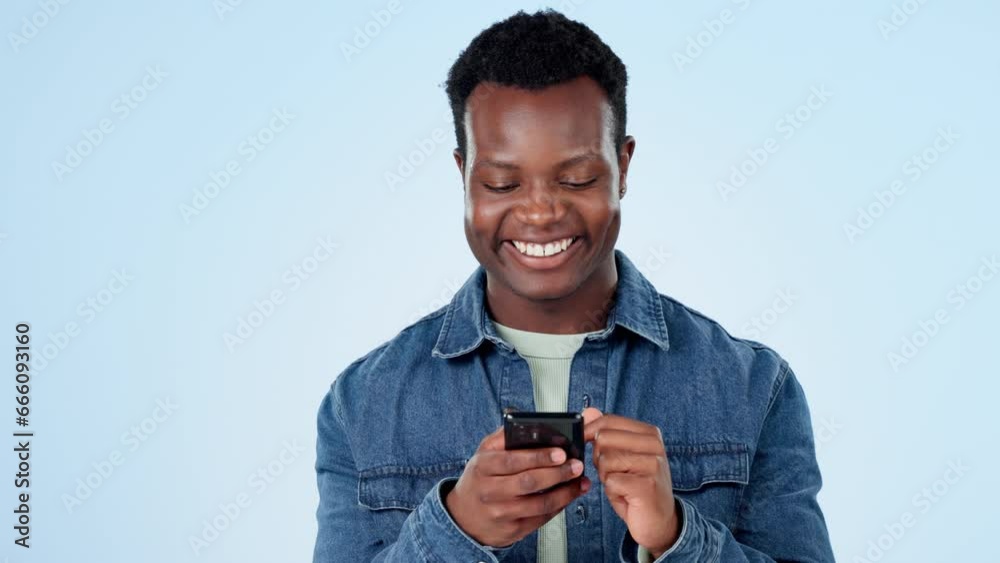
<point x="428" y="534"/>
<point x="779" y="517"/>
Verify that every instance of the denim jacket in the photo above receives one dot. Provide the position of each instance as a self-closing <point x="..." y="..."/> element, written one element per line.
<point x="399" y="424"/>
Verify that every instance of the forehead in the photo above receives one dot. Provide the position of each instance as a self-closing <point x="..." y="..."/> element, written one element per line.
<point x="562" y="117"/>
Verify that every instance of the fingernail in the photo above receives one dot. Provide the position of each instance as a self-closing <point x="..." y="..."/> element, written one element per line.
<point x="575" y="465"/>
<point x="558" y="456"/>
<point x="585" y="486"/>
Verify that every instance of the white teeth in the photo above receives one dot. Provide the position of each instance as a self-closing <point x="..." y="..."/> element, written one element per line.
<point x="547" y="249"/>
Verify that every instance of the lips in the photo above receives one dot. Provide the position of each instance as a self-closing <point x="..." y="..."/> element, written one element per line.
<point x="542" y="249"/>
<point x="560" y="249"/>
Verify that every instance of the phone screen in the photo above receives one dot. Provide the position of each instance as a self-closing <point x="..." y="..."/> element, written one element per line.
<point x="545" y="429"/>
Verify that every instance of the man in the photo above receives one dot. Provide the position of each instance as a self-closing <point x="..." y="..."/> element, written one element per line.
<point x="699" y="444"/>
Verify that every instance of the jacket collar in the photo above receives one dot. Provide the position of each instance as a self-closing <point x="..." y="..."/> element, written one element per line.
<point x="637" y="308"/>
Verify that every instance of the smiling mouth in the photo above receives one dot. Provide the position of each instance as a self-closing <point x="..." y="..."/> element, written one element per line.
<point x="543" y="250"/>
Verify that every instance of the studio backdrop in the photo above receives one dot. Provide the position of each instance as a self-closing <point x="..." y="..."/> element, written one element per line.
<point x="209" y="209"/>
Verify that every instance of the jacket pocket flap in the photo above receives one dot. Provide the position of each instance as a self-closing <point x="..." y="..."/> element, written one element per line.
<point x="398" y="486"/>
<point x="695" y="465"/>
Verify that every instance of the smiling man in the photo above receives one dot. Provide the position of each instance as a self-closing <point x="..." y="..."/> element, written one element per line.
<point x="699" y="444"/>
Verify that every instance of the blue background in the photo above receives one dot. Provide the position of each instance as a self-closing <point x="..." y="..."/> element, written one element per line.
<point x="200" y="261"/>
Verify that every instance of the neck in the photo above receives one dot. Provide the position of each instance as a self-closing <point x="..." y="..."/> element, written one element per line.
<point x="584" y="310"/>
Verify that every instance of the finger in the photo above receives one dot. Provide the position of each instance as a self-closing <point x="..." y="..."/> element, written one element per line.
<point x="622" y="461"/>
<point x="591" y="414"/>
<point x="546" y="503"/>
<point x="536" y="522"/>
<point x="500" y="489"/>
<point x="627" y="486"/>
<point x="615" y="439"/>
<point x="510" y="462"/>
<point x="494" y="440"/>
<point x="619" y="422"/>
<point x="535" y="480"/>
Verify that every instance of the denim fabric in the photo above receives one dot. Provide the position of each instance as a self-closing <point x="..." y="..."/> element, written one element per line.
<point x="399" y="424"/>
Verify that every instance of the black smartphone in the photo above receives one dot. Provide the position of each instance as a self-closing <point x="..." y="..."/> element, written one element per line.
<point x="543" y="430"/>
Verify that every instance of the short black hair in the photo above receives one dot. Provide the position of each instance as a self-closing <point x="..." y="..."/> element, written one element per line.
<point x="534" y="51"/>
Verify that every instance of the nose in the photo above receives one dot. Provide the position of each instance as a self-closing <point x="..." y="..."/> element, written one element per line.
<point x="540" y="205"/>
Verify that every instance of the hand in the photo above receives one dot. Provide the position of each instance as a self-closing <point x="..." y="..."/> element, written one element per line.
<point x="632" y="464"/>
<point x="497" y="501"/>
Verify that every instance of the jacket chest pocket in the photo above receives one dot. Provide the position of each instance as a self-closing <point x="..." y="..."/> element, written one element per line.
<point x="390" y="493"/>
<point x="711" y="476"/>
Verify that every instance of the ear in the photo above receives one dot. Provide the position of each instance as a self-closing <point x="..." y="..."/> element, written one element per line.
<point x="624" y="159"/>
<point x="461" y="165"/>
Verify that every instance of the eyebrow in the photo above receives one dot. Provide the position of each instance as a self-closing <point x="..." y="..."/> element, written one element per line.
<point x="564" y="164"/>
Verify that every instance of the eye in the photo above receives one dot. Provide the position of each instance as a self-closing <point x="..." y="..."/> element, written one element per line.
<point x="579" y="184"/>
<point x="500" y="189"/>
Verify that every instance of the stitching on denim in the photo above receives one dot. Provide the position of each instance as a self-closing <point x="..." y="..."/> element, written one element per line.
<point x="779" y="383"/>
<point x="753" y="344"/>
<point x="776" y="386"/>
<point x="375" y="502"/>
<point x="421" y="547"/>
<point x="661" y="320"/>
<point x="445" y="330"/>
<point x="739" y="497"/>
<point x="412" y="470"/>
<point x="707" y="448"/>
<point x="718" y="550"/>
<point x="738" y="473"/>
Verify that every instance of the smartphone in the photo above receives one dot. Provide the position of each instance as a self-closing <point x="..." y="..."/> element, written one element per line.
<point x="544" y="430"/>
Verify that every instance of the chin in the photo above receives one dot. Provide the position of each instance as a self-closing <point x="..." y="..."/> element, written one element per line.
<point x="541" y="286"/>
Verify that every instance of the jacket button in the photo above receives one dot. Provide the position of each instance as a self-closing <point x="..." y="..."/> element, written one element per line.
<point x="586" y="400"/>
<point x="581" y="513"/>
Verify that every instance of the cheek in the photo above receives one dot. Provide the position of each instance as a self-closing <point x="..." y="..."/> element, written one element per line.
<point x="482" y="220"/>
<point x="601" y="216"/>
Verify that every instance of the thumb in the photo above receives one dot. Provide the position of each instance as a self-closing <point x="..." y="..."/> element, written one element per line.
<point x="590" y="414"/>
<point x="494" y="440"/>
